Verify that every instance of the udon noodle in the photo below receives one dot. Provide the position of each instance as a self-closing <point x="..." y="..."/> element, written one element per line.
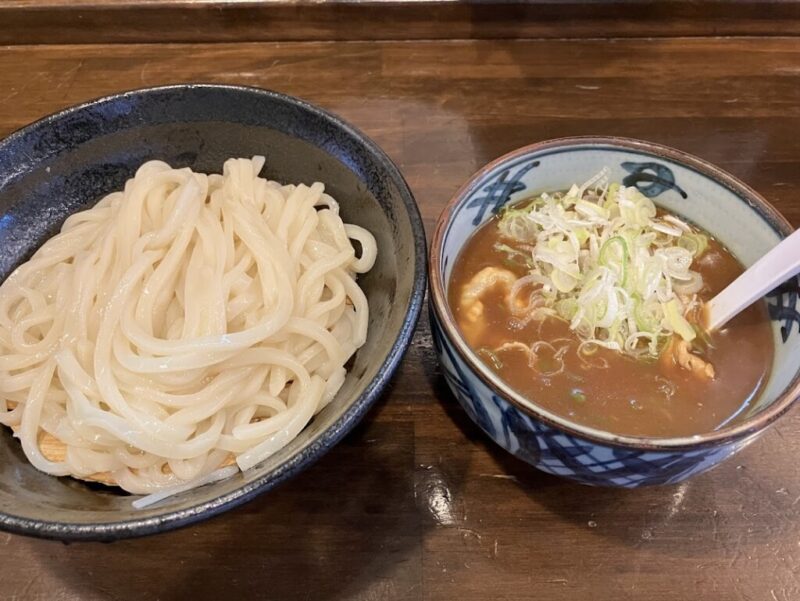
<point x="180" y="325"/>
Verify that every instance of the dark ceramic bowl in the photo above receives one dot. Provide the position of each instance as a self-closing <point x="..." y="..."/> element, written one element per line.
<point x="68" y="161"/>
<point x="678" y="182"/>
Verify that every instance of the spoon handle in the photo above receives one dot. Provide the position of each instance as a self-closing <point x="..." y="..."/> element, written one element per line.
<point x="771" y="270"/>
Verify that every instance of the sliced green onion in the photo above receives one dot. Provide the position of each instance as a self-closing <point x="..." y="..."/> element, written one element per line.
<point x="645" y="317"/>
<point x="677" y="321"/>
<point x="703" y="337"/>
<point x="563" y="281"/>
<point x="612" y="195"/>
<point x="578" y="395"/>
<point x="567" y="308"/>
<point x="491" y="356"/>
<point x="694" y="243"/>
<point x="514" y="258"/>
<point x="591" y="209"/>
<point x="604" y="262"/>
<point x="608" y="258"/>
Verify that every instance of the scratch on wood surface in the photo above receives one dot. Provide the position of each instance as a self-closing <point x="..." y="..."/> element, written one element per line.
<point x="715" y="525"/>
<point x="70" y="77"/>
<point x="16" y="91"/>
<point x="470" y="532"/>
<point x="23" y="593"/>
<point x="737" y="554"/>
<point x="412" y="588"/>
<point x="142" y="72"/>
<point x="12" y="93"/>
<point x="501" y="477"/>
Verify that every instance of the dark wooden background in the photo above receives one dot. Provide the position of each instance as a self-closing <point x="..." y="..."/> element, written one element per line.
<point x="417" y="503"/>
<point x="155" y="21"/>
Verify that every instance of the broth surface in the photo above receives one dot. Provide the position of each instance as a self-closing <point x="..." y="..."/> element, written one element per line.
<point x="629" y="396"/>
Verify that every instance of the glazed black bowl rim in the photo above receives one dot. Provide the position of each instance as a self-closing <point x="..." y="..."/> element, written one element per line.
<point x="326" y="439"/>
<point x="439" y="305"/>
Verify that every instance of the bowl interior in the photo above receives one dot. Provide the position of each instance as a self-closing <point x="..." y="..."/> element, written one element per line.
<point x="68" y="162"/>
<point x="683" y="185"/>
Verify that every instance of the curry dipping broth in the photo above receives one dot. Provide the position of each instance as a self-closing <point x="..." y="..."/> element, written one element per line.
<point x="609" y="390"/>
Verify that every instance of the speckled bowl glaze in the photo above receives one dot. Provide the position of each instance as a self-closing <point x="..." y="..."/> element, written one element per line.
<point x="68" y="161"/>
<point x="683" y="184"/>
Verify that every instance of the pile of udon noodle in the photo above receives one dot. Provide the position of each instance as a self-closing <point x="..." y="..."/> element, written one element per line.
<point x="186" y="323"/>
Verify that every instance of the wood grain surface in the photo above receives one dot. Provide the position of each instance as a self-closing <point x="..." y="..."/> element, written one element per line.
<point x="157" y="21"/>
<point x="417" y="504"/>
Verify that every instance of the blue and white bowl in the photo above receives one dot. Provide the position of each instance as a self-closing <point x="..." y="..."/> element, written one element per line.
<point x="683" y="184"/>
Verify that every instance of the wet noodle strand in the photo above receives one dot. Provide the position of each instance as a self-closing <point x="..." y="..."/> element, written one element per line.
<point x="185" y="322"/>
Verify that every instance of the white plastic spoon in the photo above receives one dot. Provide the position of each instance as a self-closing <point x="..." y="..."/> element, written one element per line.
<point x="771" y="270"/>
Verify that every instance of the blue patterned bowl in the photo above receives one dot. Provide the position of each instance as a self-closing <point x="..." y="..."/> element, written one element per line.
<point x="688" y="186"/>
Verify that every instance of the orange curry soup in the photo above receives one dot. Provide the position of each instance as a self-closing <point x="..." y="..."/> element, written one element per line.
<point x="609" y="390"/>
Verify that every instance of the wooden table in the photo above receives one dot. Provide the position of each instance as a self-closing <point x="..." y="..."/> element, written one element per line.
<point x="417" y="503"/>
